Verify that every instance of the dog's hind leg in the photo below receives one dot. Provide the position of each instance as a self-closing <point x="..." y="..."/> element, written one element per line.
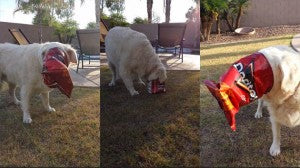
<point x="25" y="97"/>
<point x="114" y="74"/>
<point x="45" y="101"/>
<point x="258" y="113"/>
<point x="275" y="147"/>
<point x="12" y="93"/>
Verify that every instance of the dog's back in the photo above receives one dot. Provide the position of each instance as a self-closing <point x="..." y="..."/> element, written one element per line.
<point x="126" y="45"/>
<point x="19" y="63"/>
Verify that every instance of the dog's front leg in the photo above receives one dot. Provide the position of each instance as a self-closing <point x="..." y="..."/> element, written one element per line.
<point x="127" y="79"/>
<point x="258" y="113"/>
<point x="275" y="147"/>
<point x="25" y="97"/>
<point x="45" y="101"/>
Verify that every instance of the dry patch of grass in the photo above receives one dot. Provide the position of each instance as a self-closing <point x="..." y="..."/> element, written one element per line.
<point x="69" y="137"/>
<point x="249" y="145"/>
<point x="151" y="130"/>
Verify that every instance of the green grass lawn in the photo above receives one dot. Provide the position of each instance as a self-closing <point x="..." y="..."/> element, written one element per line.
<point x="151" y="130"/>
<point x="249" y="145"/>
<point x="69" y="137"/>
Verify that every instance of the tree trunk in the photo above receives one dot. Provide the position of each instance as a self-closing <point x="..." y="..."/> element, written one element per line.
<point x="230" y="26"/>
<point x="200" y="20"/>
<point x="204" y="25"/>
<point x="102" y="6"/>
<point x="209" y="26"/>
<point x="201" y="37"/>
<point x="149" y="10"/>
<point x="238" y="18"/>
<point x="40" y="24"/>
<point x="168" y="9"/>
<point x="207" y="22"/>
<point x="97" y="11"/>
<point x="59" y="38"/>
<point x="218" y="28"/>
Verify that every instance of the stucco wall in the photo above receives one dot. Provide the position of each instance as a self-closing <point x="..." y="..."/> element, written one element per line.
<point x="262" y="13"/>
<point x="30" y="31"/>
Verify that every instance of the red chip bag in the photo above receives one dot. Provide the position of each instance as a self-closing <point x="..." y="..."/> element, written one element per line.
<point x="155" y="87"/>
<point x="245" y="81"/>
<point x="55" y="71"/>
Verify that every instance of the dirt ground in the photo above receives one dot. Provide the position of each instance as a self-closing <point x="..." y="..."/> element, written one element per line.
<point x="259" y="33"/>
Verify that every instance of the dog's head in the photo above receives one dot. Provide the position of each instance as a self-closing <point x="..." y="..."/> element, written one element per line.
<point x="289" y="70"/>
<point x="158" y="73"/>
<point x="70" y="52"/>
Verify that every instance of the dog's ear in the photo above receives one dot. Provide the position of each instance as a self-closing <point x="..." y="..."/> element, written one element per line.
<point x="152" y="76"/>
<point x="159" y="73"/>
<point x="162" y="74"/>
<point x="71" y="54"/>
<point x="289" y="74"/>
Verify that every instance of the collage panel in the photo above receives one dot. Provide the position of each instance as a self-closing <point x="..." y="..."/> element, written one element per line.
<point x="150" y="67"/>
<point x="50" y="83"/>
<point x="249" y="112"/>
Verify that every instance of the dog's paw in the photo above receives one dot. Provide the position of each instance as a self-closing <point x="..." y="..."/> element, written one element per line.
<point x="142" y="83"/>
<point x="17" y="102"/>
<point x="258" y="114"/>
<point x="50" y="109"/>
<point x="112" y="84"/>
<point x="133" y="93"/>
<point x="27" y="120"/>
<point x="275" y="150"/>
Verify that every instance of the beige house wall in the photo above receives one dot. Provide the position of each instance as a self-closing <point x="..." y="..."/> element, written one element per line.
<point x="262" y="13"/>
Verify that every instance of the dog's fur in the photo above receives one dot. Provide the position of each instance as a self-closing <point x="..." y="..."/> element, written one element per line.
<point x="283" y="101"/>
<point x="21" y="66"/>
<point x="131" y="56"/>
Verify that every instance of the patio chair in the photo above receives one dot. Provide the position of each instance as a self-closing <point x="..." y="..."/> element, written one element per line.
<point x="19" y="36"/>
<point x="150" y="30"/>
<point x="89" y="47"/>
<point x="170" y="35"/>
<point x="103" y="33"/>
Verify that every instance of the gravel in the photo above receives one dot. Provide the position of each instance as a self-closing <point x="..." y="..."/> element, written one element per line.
<point x="261" y="32"/>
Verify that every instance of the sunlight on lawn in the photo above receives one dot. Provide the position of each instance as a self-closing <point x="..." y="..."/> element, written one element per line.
<point x="69" y="137"/>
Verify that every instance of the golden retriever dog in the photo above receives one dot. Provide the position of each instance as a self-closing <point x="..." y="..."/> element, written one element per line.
<point x="283" y="101"/>
<point x="131" y="57"/>
<point x="21" y="66"/>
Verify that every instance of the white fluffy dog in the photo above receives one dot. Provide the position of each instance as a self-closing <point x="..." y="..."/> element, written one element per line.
<point x="131" y="56"/>
<point x="283" y="101"/>
<point x="21" y="66"/>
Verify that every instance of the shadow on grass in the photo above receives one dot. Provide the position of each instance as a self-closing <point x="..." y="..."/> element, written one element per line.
<point x="226" y="54"/>
<point x="151" y="130"/>
<point x="209" y="46"/>
<point x="68" y="137"/>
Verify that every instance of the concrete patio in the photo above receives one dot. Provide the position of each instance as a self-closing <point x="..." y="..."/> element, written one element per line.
<point x="90" y="75"/>
<point x="87" y="77"/>
<point x="171" y="62"/>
